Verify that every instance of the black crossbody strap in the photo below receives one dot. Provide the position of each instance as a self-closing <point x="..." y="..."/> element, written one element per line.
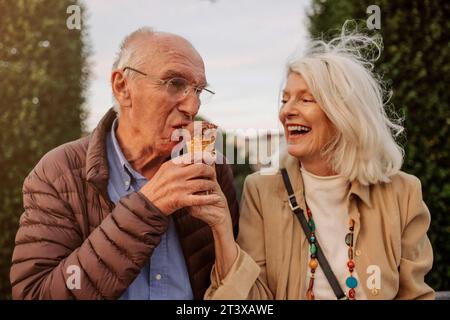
<point x="304" y="224"/>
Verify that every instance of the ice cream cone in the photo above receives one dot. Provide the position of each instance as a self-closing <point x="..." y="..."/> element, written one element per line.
<point x="204" y="141"/>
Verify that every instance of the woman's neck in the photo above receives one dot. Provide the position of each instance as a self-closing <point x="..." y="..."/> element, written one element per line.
<point x="318" y="168"/>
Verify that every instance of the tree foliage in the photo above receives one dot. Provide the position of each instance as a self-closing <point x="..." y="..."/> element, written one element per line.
<point x="43" y="75"/>
<point x="416" y="63"/>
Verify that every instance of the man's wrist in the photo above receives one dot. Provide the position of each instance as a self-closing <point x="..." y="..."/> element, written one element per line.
<point x="153" y="204"/>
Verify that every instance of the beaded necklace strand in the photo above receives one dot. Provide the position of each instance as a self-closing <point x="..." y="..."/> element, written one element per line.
<point x="351" y="281"/>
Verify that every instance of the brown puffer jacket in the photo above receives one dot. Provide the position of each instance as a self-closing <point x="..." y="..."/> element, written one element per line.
<point x="69" y="220"/>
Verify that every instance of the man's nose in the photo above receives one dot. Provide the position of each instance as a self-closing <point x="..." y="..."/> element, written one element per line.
<point x="190" y="104"/>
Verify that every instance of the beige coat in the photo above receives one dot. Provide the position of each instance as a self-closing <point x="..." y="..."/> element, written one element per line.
<point x="391" y="221"/>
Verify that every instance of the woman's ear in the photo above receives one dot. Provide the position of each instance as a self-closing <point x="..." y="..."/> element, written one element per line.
<point x="119" y="84"/>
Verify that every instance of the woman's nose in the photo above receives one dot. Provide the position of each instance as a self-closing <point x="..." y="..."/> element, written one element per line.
<point x="288" y="111"/>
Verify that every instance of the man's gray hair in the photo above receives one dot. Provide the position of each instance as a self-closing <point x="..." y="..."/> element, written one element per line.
<point x="130" y="54"/>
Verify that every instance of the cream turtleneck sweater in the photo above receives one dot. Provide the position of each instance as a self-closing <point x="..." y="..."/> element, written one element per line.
<point x="326" y="198"/>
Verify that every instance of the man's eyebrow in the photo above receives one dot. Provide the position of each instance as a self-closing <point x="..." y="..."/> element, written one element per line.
<point x="175" y="74"/>
<point x="179" y="74"/>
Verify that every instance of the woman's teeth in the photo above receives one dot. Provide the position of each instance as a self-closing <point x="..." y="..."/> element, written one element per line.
<point x="298" y="129"/>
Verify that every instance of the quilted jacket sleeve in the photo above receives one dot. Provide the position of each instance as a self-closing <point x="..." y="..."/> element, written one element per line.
<point x="51" y="260"/>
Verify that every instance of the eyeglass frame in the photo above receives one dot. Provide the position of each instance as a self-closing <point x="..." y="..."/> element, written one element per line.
<point x="164" y="82"/>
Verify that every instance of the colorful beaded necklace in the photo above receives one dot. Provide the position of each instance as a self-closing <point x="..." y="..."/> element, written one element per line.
<point x="351" y="281"/>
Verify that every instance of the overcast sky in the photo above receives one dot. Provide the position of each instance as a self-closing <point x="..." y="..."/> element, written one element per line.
<point x="244" y="44"/>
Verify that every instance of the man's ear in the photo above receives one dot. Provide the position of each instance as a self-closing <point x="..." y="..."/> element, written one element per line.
<point x="120" y="89"/>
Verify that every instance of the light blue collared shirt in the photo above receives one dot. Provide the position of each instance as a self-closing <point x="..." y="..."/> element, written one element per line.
<point x="165" y="276"/>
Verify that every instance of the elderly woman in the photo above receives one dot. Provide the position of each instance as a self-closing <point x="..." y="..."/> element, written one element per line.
<point x="339" y="219"/>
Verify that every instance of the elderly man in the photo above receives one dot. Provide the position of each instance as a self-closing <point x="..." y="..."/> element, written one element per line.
<point x="110" y="215"/>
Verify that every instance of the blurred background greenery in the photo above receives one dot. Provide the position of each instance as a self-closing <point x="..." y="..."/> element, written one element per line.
<point x="44" y="73"/>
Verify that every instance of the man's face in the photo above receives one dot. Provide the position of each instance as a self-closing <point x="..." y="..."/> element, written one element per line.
<point x="154" y="113"/>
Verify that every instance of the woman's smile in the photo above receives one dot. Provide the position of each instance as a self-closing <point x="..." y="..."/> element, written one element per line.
<point x="296" y="133"/>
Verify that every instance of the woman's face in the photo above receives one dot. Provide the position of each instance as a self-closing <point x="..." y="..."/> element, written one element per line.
<point x="306" y="127"/>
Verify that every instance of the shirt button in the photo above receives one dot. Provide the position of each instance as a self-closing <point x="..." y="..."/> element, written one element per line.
<point x="127" y="183"/>
<point x="158" y="277"/>
<point x="358" y="252"/>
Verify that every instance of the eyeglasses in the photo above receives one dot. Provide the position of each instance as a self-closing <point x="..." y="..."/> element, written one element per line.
<point x="178" y="88"/>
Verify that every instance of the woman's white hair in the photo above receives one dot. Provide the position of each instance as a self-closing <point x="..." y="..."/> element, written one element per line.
<point x="340" y="77"/>
<point x="130" y="54"/>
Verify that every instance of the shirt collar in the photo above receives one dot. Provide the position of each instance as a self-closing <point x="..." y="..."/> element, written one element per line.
<point x="127" y="172"/>
<point x="293" y="167"/>
<point x="362" y="191"/>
